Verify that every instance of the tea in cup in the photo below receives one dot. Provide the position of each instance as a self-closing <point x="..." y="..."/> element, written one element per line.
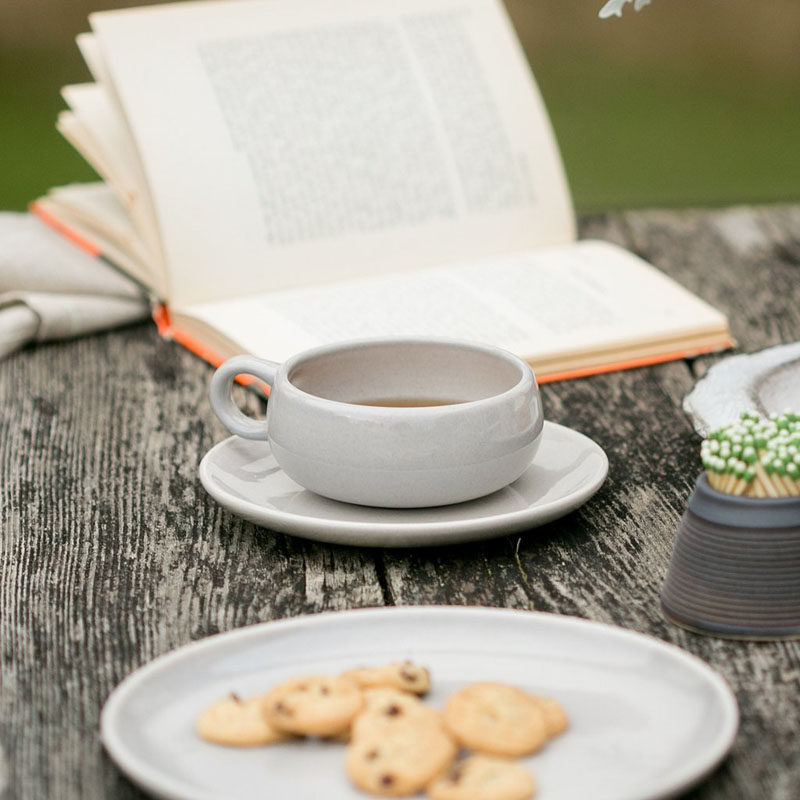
<point x="397" y="423"/>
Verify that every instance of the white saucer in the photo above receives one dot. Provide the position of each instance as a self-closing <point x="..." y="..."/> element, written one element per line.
<point x="243" y="476"/>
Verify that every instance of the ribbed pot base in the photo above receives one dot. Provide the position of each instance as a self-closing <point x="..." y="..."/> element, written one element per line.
<point x="735" y="568"/>
<point x="704" y="626"/>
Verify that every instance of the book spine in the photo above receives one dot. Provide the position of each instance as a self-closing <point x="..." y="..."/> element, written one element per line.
<point x="167" y="330"/>
<point x="68" y="233"/>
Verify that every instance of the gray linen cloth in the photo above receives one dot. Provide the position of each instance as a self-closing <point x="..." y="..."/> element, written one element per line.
<point x="51" y="289"/>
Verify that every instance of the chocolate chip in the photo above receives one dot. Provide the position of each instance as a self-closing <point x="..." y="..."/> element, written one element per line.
<point x="324" y="690"/>
<point x="280" y="708"/>
<point x="235" y="697"/>
<point x="387" y="780"/>
<point x="371" y="755"/>
<point x="455" y="774"/>
<point x="394" y="710"/>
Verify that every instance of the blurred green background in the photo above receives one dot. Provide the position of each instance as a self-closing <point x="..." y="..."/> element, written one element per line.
<point x="687" y="102"/>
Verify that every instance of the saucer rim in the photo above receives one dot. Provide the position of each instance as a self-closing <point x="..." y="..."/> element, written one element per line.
<point x="383" y="534"/>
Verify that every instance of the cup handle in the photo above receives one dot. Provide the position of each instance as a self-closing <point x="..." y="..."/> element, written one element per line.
<point x="219" y="394"/>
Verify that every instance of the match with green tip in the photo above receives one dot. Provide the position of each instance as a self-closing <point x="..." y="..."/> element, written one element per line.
<point x="755" y="456"/>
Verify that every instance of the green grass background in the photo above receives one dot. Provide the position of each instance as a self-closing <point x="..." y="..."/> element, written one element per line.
<point x="661" y="139"/>
<point x="688" y="102"/>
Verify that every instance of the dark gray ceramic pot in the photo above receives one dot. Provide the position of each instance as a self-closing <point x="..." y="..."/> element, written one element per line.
<point x="735" y="568"/>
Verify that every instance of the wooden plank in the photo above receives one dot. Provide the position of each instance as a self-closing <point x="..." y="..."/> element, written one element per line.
<point x="725" y="257"/>
<point x="532" y="570"/>
<point x="111" y="551"/>
<point x="745" y="261"/>
<point x="609" y="563"/>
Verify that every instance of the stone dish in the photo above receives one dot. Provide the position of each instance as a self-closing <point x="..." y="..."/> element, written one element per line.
<point x="767" y="381"/>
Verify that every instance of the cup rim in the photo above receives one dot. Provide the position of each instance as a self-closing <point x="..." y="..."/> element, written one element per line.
<point x="526" y="380"/>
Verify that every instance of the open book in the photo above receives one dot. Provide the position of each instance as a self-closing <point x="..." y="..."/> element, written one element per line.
<point x="281" y="174"/>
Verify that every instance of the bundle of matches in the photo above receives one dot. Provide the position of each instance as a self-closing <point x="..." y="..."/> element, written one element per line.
<point x="755" y="456"/>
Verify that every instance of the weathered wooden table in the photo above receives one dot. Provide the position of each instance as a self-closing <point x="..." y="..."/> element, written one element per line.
<point x="111" y="552"/>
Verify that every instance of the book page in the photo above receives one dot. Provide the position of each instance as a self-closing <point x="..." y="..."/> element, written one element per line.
<point x="93" y="57"/>
<point x="559" y="305"/>
<point x="76" y="133"/>
<point x="97" y="208"/>
<point x="290" y="144"/>
<point x="102" y="241"/>
<point x="109" y="140"/>
<point x="104" y="139"/>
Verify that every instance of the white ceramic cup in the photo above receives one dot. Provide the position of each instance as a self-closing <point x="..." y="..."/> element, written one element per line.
<point x="398" y="423"/>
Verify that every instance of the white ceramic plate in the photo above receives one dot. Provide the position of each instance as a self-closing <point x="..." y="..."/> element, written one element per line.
<point x="243" y="476"/>
<point x="647" y="719"/>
